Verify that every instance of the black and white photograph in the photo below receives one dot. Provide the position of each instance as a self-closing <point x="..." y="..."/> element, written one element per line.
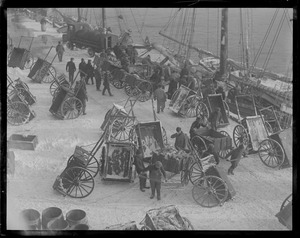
<point x="93" y="94"/>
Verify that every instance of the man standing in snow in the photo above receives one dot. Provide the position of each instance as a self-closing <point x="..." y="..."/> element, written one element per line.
<point x="161" y="97"/>
<point x="89" y="72"/>
<point x="196" y="125"/>
<point x="71" y="68"/>
<point x="97" y="74"/>
<point x="106" y="84"/>
<point x="236" y="156"/>
<point x="139" y="165"/>
<point x="60" y="51"/>
<point x="82" y="94"/>
<point x="82" y="68"/>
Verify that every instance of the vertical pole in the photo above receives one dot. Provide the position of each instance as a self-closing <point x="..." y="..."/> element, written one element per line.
<point x="224" y="43"/>
<point x="103" y="18"/>
<point x="79" y="15"/>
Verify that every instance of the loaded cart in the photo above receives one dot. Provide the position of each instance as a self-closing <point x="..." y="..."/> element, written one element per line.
<point x="22" y="88"/>
<point x="252" y="132"/>
<point x="57" y="82"/>
<point x="67" y="102"/>
<point x="43" y="70"/>
<point x="21" y="57"/>
<point x="18" y="111"/>
<point x="188" y="103"/>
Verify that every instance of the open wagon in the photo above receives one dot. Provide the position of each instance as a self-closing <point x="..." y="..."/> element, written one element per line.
<point x="42" y="70"/>
<point x="22" y="88"/>
<point x="285" y="215"/>
<point x="187" y="102"/>
<point x="61" y="80"/>
<point x="67" y="102"/>
<point x="18" y="111"/>
<point x="21" y="57"/>
<point x="252" y="131"/>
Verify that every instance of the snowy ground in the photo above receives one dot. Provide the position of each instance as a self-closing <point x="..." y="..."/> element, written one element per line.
<point x="260" y="190"/>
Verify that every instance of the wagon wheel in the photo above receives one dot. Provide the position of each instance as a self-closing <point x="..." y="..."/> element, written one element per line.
<point x="118" y="78"/>
<point x="21" y="93"/>
<point x="191" y="105"/>
<point x="49" y="76"/>
<point x="226" y="108"/>
<point x="118" y="83"/>
<point x="24" y="85"/>
<point x="131" y="90"/>
<point x="195" y="172"/>
<point x="223" y="153"/>
<point x="121" y="128"/>
<point x="210" y="191"/>
<point x="10" y="89"/>
<point x="187" y="223"/>
<point x="71" y="108"/>
<point x="18" y="113"/>
<point x="53" y="87"/>
<point x="199" y="144"/>
<point x="271" y="153"/>
<point x="29" y="61"/>
<point x="145" y="89"/>
<point x="92" y="166"/>
<point x="34" y="61"/>
<point x="91" y="52"/>
<point x="240" y="135"/>
<point x="164" y="135"/>
<point x="55" y="93"/>
<point x="286" y="201"/>
<point x="174" y="97"/>
<point x="202" y="111"/>
<point x="78" y="182"/>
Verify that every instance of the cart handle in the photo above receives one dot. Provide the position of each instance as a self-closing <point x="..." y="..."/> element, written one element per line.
<point x="32" y="38"/>
<point x="53" y="58"/>
<point x="48" y="53"/>
<point x="20" y="41"/>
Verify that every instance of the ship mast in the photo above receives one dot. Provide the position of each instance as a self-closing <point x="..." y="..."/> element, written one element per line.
<point x="224" y="43"/>
<point x="103" y="18"/>
<point x="79" y="15"/>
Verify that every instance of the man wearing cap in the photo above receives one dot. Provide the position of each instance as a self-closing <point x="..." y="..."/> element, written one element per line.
<point x="139" y="165"/>
<point x="155" y="176"/>
<point x="196" y="125"/>
<point x="71" y="68"/>
<point x="181" y="142"/>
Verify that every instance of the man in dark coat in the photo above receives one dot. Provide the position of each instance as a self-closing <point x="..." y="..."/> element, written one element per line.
<point x="71" y="68"/>
<point x="196" y="125"/>
<point x="155" y="176"/>
<point x="139" y="165"/>
<point x="220" y="90"/>
<point x="181" y="142"/>
<point x="173" y="85"/>
<point x="236" y="155"/>
<point x="106" y="84"/>
<point x="89" y="72"/>
<point x="60" y="51"/>
<point x="97" y="74"/>
<point x="82" y="94"/>
<point x="215" y="118"/>
<point x="82" y="68"/>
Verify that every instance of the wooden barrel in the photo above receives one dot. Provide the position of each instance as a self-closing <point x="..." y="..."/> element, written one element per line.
<point x="58" y="224"/>
<point x="50" y="214"/>
<point x="76" y="217"/>
<point x="32" y="219"/>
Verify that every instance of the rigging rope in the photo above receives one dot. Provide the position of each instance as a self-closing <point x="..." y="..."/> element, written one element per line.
<point x="140" y="35"/>
<point x="242" y="39"/>
<point x="264" y="40"/>
<point x="218" y="28"/>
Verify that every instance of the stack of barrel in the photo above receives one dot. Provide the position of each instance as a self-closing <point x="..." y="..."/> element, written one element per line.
<point x="53" y="219"/>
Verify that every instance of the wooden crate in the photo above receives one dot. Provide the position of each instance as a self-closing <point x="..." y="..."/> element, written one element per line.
<point x="17" y="141"/>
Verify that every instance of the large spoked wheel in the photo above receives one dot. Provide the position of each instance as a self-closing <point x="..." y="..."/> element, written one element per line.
<point x="10" y="89"/>
<point x="118" y="83"/>
<point x="121" y="129"/>
<point x="199" y="144"/>
<point x="271" y="153"/>
<point x="131" y="90"/>
<point x="191" y="105"/>
<point x="49" y="76"/>
<point x="223" y="153"/>
<point x="77" y="182"/>
<point x="202" y="110"/>
<point x="29" y="62"/>
<point x="196" y="173"/>
<point x="210" y="191"/>
<point x="18" y="113"/>
<point x="91" y="52"/>
<point x="71" y="108"/>
<point x="240" y="135"/>
<point x="286" y="201"/>
<point x="54" y="85"/>
<point x="145" y="89"/>
<point x="92" y="167"/>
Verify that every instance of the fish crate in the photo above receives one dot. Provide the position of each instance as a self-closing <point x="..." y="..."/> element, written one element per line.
<point x="17" y="141"/>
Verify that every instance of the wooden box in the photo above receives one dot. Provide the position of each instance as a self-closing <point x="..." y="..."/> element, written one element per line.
<point x="17" y="141"/>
